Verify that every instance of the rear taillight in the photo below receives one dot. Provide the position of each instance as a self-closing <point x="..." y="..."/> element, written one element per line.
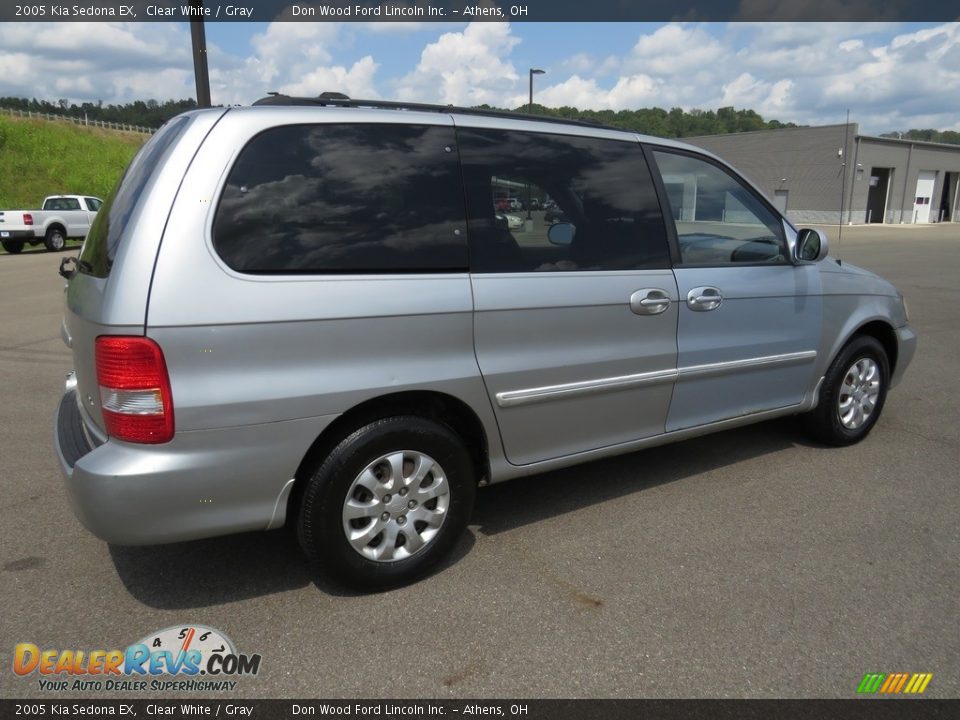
<point x="134" y="389"/>
<point x="27" y="219"/>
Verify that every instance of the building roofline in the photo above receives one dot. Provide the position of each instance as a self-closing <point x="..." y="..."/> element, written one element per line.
<point x="856" y="136"/>
<point x="767" y="130"/>
<point x="906" y="141"/>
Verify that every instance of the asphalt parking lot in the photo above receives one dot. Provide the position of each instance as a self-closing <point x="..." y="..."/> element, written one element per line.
<point x="750" y="563"/>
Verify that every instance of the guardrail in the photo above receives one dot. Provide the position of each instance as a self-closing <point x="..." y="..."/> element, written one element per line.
<point x="79" y="121"/>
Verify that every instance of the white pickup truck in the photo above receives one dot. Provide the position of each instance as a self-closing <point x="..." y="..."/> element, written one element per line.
<point x="61" y="217"/>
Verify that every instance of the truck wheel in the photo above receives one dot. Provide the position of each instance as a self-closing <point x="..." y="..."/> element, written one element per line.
<point x="12" y="246"/>
<point x="55" y="240"/>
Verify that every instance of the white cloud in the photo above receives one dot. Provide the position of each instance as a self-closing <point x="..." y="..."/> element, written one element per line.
<point x="357" y="81"/>
<point x="850" y="45"/>
<point x="575" y="92"/>
<point x="675" y="50"/>
<point x="628" y="92"/>
<point x="284" y="56"/>
<point x="770" y="99"/>
<point x="471" y="67"/>
<point x="113" y="62"/>
<point x="581" y="63"/>
<point x="584" y="63"/>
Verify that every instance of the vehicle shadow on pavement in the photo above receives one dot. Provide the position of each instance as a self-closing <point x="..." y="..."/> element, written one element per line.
<point x="510" y="505"/>
<point x="210" y="572"/>
<point x="227" y="569"/>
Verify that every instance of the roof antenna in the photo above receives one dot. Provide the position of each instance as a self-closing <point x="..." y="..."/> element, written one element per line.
<point x="843" y="183"/>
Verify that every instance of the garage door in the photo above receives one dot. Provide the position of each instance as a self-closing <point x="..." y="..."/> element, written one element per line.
<point x="921" y="206"/>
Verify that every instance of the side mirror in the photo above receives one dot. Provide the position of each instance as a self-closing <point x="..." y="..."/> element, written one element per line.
<point x="561" y="233"/>
<point x="812" y="245"/>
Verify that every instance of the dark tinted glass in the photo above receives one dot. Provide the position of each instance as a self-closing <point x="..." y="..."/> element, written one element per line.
<point x="62" y="204"/>
<point x="344" y="198"/>
<point x="107" y="230"/>
<point x="521" y="186"/>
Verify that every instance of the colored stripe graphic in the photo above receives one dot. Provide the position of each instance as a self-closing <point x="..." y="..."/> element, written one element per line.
<point x="890" y="682"/>
<point x="871" y="682"/>
<point x="918" y="683"/>
<point x="894" y="683"/>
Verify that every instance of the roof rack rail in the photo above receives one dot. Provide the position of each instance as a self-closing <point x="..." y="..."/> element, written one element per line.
<point x="337" y="99"/>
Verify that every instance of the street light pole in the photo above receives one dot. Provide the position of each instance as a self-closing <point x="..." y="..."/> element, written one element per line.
<point x="533" y="71"/>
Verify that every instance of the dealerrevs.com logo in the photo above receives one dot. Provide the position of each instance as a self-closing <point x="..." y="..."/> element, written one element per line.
<point x="178" y="658"/>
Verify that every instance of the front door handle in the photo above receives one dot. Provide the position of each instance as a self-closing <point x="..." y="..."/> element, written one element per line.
<point x="650" y="301"/>
<point x="703" y="299"/>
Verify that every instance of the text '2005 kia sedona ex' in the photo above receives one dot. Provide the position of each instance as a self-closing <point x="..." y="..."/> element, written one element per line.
<point x="311" y="312"/>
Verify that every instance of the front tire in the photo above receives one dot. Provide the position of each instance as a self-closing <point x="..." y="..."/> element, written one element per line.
<point x="853" y="393"/>
<point x="388" y="503"/>
<point x="55" y="240"/>
<point x="13" y="246"/>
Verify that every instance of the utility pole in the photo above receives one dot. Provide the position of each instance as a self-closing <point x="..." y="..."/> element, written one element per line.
<point x="199" y="41"/>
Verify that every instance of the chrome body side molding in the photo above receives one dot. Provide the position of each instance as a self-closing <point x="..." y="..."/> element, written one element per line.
<point x="586" y="387"/>
<point x="546" y="393"/>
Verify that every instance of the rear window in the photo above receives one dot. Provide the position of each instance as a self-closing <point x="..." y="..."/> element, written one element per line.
<point x="61" y="204"/>
<point x="107" y="231"/>
<point x="355" y="198"/>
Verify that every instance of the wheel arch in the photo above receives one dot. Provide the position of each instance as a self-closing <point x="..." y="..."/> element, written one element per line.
<point x="430" y="404"/>
<point x="884" y="333"/>
<point x="56" y="225"/>
<point x="874" y="324"/>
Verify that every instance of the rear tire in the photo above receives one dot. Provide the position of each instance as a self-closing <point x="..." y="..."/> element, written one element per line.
<point x="388" y="503"/>
<point x="12" y="246"/>
<point x="853" y="393"/>
<point x="55" y="240"/>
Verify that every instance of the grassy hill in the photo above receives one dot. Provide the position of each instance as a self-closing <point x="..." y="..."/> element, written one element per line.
<point x="46" y="157"/>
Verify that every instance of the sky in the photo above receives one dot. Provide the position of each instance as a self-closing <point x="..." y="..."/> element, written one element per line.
<point x="890" y="76"/>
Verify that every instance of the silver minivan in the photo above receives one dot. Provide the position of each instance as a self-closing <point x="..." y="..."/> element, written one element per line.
<point x="306" y="313"/>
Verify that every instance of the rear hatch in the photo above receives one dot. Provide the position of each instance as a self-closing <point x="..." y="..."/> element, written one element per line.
<point x="108" y="293"/>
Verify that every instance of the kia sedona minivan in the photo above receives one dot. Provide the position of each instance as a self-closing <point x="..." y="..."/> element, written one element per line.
<point x="306" y="313"/>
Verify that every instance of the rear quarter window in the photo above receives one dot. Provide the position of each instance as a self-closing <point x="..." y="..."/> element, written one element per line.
<point x="107" y="231"/>
<point x="62" y="204"/>
<point x="336" y="198"/>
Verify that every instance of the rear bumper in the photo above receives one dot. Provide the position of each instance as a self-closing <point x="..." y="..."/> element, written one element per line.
<point x="201" y="484"/>
<point x="27" y="235"/>
<point x="907" y="347"/>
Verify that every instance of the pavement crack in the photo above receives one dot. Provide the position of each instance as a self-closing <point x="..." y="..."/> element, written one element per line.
<point x="28" y="344"/>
